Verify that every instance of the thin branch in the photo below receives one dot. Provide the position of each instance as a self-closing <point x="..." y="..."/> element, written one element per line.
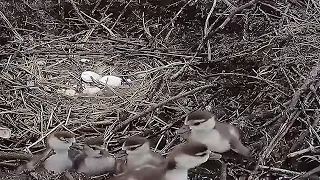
<point x="153" y="107"/>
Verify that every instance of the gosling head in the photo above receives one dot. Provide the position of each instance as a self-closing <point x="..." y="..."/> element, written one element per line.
<point x="189" y="155"/>
<point x="61" y="140"/>
<point x="200" y="120"/>
<point x="136" y="145"/>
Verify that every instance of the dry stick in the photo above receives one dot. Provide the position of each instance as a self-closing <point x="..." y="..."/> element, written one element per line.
<point x="302" y="151"/>
<point x="79" y="14"/>
<point x="283" y="130"/>
<point x="85" y="38"/>
<point x="51" y="41"/>
<point x="206" y="30"/>
<point x="13" y="155"/>
<point x="123" y="11"/>
<point x="223" y="175"/>
<point x="313" y="171"/>
<point x="303" y="136"/>
<point x="230" y="16"/>
<point x="153" y="107"/>
<point x="100" y="23"/>
<point x="173" y="19"/>
<point x="289" y="122"/>
<point x="309" y="173"/>
<point x="16" y="34"/>
<point x="284" y="171"/>
<point x="210" y="34"/>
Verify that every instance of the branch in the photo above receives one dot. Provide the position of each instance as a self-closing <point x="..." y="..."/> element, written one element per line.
<point x="13" y="155"/>
<point x="152" y="108"/>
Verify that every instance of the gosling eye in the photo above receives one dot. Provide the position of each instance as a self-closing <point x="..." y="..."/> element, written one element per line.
<point x="65" y="140"/>
<point x="133" y="148"/>
<point x="196" y="123"/>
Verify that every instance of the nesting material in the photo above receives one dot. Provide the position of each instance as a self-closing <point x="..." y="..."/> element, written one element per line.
<point x="87" y="76"/>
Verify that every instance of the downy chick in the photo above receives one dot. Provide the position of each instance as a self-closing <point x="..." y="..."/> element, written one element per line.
<point x="59" y="142"/>
<point x="139" y="153"/>
<point x="94" y="162"/>
<point x="175" y="167"/>
<point x="217" y="136"/>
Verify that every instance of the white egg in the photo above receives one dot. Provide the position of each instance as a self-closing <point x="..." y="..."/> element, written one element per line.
<point x="70" y="92"/>
<point x="86" y="76"/>
<point x="5" y="132"/>
<point x="61" y="91"/>
<point x="84" y="60"/>
<point x="91" y="90"/>
<point x="111" y="80"/>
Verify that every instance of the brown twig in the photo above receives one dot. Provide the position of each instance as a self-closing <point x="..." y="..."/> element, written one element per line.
<point x="14" y="155"/>
<point x="17" y="35"/>
<point x="226" y="21"/>
<point x="309" y="173"/>
<point x="79" y="14"/>
<point x="291" y="115"/>
<point x="122" y="13"/>
<point x="153" y="107"/>
<point x="223" y="169"/>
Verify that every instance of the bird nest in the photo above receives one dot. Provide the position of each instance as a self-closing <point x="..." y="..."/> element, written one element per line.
<point x="254" y="63"/>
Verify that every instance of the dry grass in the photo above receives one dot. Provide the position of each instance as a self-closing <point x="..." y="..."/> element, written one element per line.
<point x="263" y="73"/>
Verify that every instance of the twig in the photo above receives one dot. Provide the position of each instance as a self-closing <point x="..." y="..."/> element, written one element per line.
<point x="85" y="38"/>
<point x="101" y="23"/>
<point x="153" y="107"/>
<point x="294" y="114"/>
<point x="40" y="139"/>
<point x="223" y="169"/>
<point x="123" y="11"/>
<point x="68" y="176"/>
<point x="304" y="135"/>
<point x="230" y="16"/>
<point x="49" y="42"/>
<point x="284" y="171"/>
<point x="302" y="151"/>
<point x="45" y="156"/>
<point x="79" y="14"/>
<point x="249" y="76"/>
<point x="16" y="34"/>
<point x="14" y="155"/>
<point x="210" y="34"/>
<point x="206" y="30"/>
<point x="173" y="19"/>
<point x="309" y="173"/>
